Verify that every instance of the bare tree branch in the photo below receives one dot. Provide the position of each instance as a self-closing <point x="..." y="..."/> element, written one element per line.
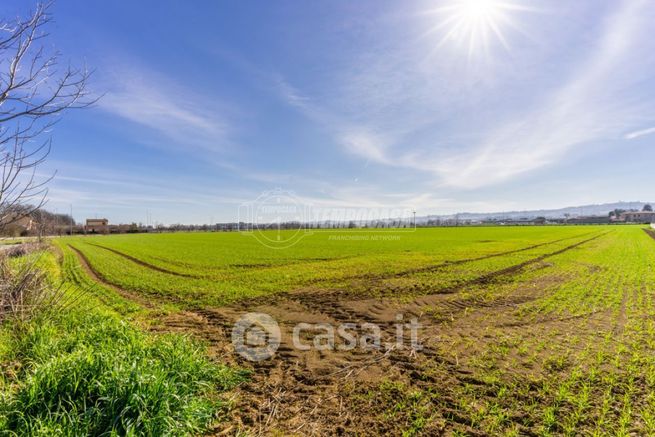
<point x="34" y="91"/>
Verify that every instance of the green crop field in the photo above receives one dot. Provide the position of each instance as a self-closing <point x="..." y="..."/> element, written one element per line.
<point x="216" y="268"/>
<point x="524" y="330"/>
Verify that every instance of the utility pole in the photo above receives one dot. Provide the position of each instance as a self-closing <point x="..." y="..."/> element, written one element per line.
<point x="71" y="219"/>
<point x="414" y="212"/>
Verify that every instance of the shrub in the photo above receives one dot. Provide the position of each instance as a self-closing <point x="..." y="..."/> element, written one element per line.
<point x="27" y="288"/>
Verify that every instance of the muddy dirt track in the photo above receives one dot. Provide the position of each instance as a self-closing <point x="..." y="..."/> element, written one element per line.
<point x="324" y="392"/>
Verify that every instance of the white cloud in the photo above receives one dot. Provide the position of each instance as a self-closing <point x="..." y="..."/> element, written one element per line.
<point x="639" y="133"/>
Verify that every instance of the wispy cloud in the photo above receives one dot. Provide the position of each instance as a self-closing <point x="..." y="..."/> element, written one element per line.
<point x="175" y="111"/>
<point x="639" y="133"/>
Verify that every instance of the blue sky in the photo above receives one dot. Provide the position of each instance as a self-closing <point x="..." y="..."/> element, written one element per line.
<point x="442" y="106"/>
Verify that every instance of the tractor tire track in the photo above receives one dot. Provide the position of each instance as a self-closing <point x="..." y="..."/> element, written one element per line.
<point x="206" y="324"/>
<point x="403" y="273"/>
<point x="99" y="278"/>
<point x="143" y="263"/>
<point x="487" y="278"/>
<point x="330" y="304"/>
<point x="445" y="264"/>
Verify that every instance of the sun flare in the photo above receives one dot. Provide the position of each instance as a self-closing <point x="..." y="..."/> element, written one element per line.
<point x="476" y="24"/>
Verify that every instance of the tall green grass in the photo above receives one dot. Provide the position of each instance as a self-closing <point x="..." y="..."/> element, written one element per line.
<point x="84" y="371"/>
<point x="91" y="374"/>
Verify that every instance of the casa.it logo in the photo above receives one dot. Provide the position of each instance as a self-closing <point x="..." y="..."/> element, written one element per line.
<point x="256" y="336"/>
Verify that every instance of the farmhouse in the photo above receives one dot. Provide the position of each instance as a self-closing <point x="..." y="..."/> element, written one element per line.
<point x="15" y="225"/>
<point x="638" y="217"/>
<point x="97" y="226"/>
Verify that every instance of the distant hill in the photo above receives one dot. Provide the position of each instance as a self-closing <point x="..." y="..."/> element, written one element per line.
<point x="572" y="211"/>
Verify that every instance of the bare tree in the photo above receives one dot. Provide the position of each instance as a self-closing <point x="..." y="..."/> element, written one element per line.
<point x="34" y="91"/>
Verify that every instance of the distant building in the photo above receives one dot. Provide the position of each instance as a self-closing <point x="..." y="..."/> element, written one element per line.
<point x="638" y="217"/>
<point x="97" y="226"/>
<point x="16" y="225"/>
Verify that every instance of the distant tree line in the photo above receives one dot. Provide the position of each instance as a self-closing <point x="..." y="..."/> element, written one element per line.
<point x="26" y="220"/>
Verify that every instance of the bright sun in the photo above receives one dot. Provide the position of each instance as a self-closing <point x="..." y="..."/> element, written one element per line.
<point x="476" y="24"/>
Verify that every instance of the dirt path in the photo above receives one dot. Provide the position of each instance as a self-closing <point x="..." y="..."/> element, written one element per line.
<point x="310" y="392"/>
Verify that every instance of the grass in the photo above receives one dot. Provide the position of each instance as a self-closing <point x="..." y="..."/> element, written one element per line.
<point x="87" y="372"/>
